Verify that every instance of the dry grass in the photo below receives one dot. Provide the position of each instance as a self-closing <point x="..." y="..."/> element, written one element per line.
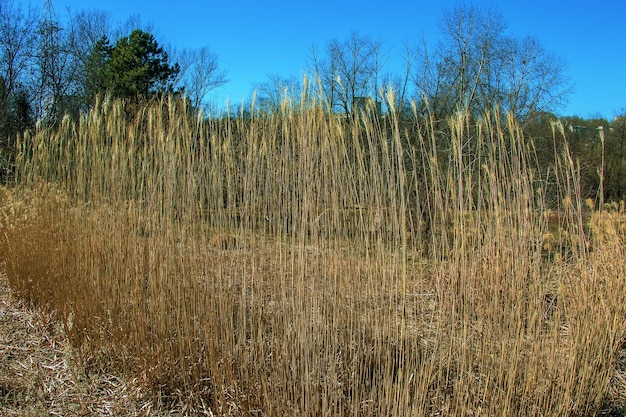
<point x="40" y="373"/>
<point x="301" y="265"/>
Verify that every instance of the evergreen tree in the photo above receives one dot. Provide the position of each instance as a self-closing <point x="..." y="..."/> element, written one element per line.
<point x="135" y="67"/>
<point x="96" y="68"/>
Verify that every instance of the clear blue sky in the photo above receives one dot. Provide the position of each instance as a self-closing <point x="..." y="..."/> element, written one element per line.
<point x="256" y="38"/>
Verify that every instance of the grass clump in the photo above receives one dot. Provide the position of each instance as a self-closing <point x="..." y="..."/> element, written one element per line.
<point x="304" y="265"/>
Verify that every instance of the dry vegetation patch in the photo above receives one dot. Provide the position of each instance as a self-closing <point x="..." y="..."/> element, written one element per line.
<point x="41" y="374"/>
<point x="286" y="265"/>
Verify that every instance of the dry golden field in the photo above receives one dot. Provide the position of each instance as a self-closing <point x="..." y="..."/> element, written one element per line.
<point x="298" y="264"/>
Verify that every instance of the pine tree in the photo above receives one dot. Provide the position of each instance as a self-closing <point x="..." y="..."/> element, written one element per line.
<point x="135" y="67"/>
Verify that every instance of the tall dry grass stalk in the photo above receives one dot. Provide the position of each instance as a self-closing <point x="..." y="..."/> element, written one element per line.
<point x="303" y="265"/>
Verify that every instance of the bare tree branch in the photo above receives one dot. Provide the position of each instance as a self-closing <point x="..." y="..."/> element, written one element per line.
<point x="477" y="67"/>
<point x="200" y="73"/>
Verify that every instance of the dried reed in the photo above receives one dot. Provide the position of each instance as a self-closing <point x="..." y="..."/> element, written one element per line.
<point x="304" y="265"/>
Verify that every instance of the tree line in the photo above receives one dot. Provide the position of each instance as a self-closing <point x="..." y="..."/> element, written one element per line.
<point x="475" y="66"/>
<point x="49" y="69"/>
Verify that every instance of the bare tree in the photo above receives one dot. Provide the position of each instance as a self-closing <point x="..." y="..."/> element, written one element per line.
<point x="134" y="22"/>
<point x="476" y="66"/>
<point x="57" y="68"/>
<point x="469" y="48"/>
<point x="535" y="80"/>
<point x="400" y="83"/>
<point x="17" y="42"/>
<point x="200" y="73"/>
<point x="273" y="92"/>
<point x="350" y="69"/>
<point x="88" y="27"/>
<point x="325" y="73"/>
